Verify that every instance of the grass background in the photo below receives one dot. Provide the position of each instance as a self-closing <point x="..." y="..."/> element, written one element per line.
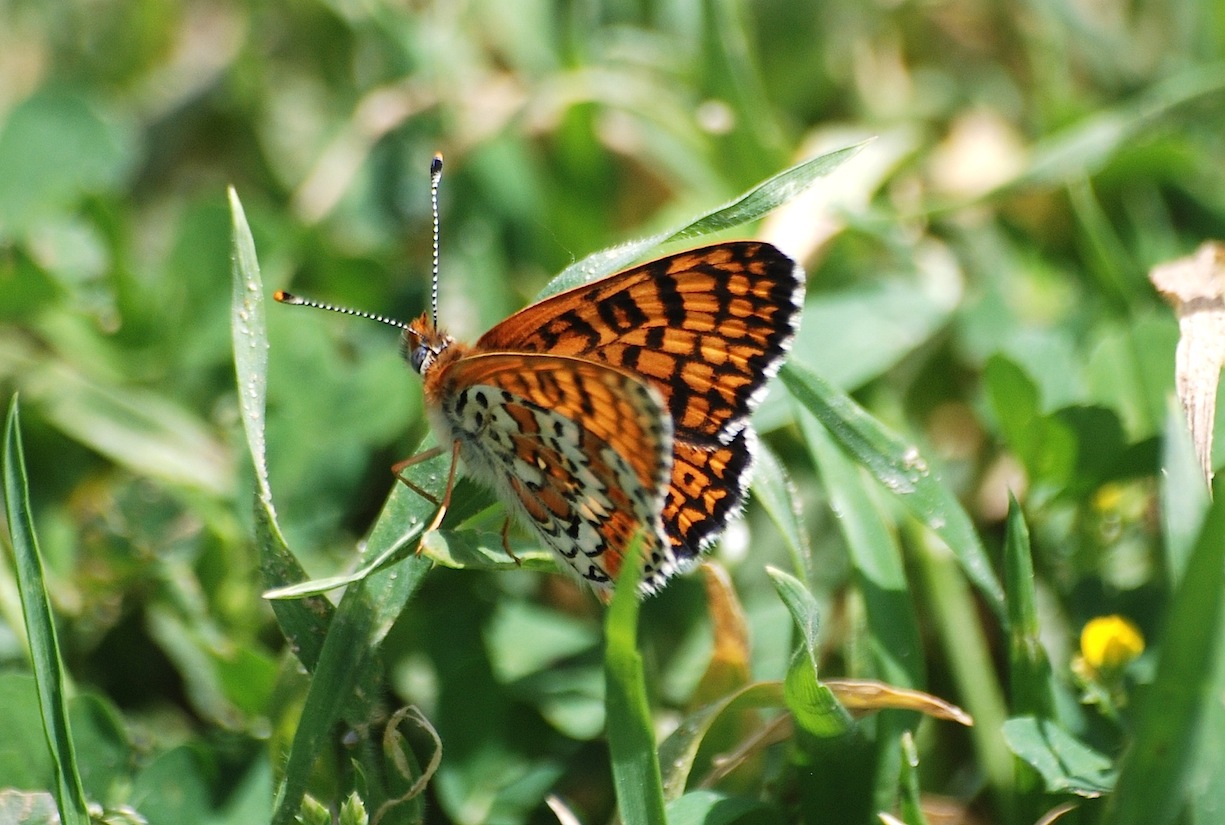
<point x="977" y="282"/>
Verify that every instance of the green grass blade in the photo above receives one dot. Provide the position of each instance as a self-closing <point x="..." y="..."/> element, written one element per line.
<point x="899" y="467"/>
<point x="880" y="574"/>
<point x="1029" y="667"/>
<point x="40" y="626"/>
<point x="303" y="623"/>
<point x="813" y="705"/>
<point x="753" y="204"/>
<point x="1152" y="786"/>
<point x="631" y="738"/>
<point x="1184" y="496"/>
<point x="679" y="751"/>
<point x="774" y="491"/>
<point x="954" y="615"/>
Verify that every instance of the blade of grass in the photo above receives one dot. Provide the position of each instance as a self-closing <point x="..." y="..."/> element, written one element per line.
<point x="1152" y="786"/>
<point x="965" y="645"/>
<point x="631" y="739"/>
<point x="772" y="488"/>
<point x="813" y="705"/>
<point x="1029" y="667"/>
<point x="753" y="204"/>
<point x="303" y="623"/>
<point x="40" y="627"/>
<point x="880" y="574"/>
<point x="1184" y="498"/>
<point x="902" y="470"/>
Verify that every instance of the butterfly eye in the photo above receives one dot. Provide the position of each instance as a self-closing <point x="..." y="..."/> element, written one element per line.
<point x="419" y="356"/>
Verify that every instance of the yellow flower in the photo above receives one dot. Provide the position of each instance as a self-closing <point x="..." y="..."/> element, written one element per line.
<point x="1109" y="643"/>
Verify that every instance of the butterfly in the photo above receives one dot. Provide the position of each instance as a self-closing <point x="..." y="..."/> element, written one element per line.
<point x="617" y="411"/>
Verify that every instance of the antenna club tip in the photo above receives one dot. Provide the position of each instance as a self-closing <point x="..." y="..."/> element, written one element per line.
<point x="283" y="297"/>
<point x="436" y="164"/>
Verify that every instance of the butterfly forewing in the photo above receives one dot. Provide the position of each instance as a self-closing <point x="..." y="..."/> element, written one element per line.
<point x="708" y="328"/>
<point x="584" y="450"/>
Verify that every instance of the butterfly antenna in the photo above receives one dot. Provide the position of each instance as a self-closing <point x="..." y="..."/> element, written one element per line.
<point x="296" y="300"/>
<point x="435" y="177"/>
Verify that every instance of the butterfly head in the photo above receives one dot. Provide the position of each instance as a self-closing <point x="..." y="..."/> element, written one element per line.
<point x="422" y="343"/>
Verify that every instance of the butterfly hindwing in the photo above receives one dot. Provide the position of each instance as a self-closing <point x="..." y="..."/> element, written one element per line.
<point x="583" y="450"/>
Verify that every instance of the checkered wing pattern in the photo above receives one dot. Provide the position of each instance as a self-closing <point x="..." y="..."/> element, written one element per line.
<point x="584" y="452"/>
<point x="706" y="329"/>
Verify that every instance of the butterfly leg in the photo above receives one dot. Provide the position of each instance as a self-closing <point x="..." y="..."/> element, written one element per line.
<point x="400" y="466"/>
<point x="506" y="542"/>
<point x="441" y="512"/>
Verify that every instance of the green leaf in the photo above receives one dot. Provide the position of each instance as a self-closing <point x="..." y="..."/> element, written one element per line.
<point x="1152" y="780"/>
<point x="854" y="335"/>
<point x="39" y="625"/>
<point x="814" y="706"/>
<point x="910" y="793"/>
<point x="55" y="148"/>
<point x="902" y="470"/>
<point x="1047" y="447"/>
<point x="1086" y="146"/>
<point x="141" y="430"/>
<point x="304" y="624"/>
<point x="711" y="808"/>
<point x="474" y="550"/>
<point x="753" y="204"/>
<point x="1066" y="763"/>
<point x="631" y="738"/>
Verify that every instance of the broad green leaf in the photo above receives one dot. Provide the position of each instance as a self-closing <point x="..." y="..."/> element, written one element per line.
<point x="39" y="625"/>
<point x="707" y="807"/>
<point x="57" y="147"/>
<point x="853" y="335"/>
<point x="1065" y="763"/>
<point x="144" y="431"/>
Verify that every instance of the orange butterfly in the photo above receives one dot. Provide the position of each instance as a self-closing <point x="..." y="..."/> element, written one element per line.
<point x="619" y="409"/>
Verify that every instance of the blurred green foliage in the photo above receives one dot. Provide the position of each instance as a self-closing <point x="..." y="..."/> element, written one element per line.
<point x="977" y="283"/>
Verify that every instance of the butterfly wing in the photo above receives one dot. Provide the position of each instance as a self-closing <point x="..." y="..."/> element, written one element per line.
<point x="581" y="451"/>
<point x="707" y="329"/>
